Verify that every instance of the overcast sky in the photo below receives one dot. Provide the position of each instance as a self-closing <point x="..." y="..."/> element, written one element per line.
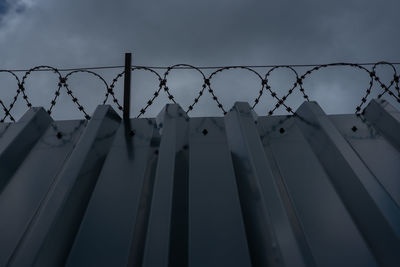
<point x="81" y="33"/>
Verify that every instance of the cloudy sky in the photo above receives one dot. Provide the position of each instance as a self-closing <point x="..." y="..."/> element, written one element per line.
<point x="82" y="33"/>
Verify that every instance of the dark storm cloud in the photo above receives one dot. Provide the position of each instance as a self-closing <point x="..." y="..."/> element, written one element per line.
<point x="97" y="32"/>
<point x="3" y="7"/>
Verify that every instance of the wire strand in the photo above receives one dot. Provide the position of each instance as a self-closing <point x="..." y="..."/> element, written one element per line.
<point x="200" y="67"/>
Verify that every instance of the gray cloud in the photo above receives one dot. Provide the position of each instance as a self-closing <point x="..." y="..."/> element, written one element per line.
<point x="78" y="33"/>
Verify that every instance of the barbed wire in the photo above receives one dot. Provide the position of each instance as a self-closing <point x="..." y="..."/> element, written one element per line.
<point x="63" y="75"/>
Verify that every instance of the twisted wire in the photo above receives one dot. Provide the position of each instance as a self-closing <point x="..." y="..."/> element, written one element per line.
<point x="391" y="88"/>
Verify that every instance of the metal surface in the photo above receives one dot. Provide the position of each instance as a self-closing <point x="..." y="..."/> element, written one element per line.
<point x="127" y="85"/>
<point x="308" y="189"/>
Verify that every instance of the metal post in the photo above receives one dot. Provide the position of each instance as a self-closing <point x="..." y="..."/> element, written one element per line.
<point x="127" y="85"/>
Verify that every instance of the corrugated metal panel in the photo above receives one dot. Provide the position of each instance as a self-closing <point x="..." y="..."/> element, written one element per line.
<point x="240" y="190"/>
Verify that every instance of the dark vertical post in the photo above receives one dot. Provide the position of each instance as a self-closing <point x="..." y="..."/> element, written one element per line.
<point x="127" y="85"/>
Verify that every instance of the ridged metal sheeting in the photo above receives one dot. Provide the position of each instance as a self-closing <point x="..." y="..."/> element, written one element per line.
<point x="240" y="190"/>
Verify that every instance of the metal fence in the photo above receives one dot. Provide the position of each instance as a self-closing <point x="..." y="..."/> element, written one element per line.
<point x="390" y="89"/>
